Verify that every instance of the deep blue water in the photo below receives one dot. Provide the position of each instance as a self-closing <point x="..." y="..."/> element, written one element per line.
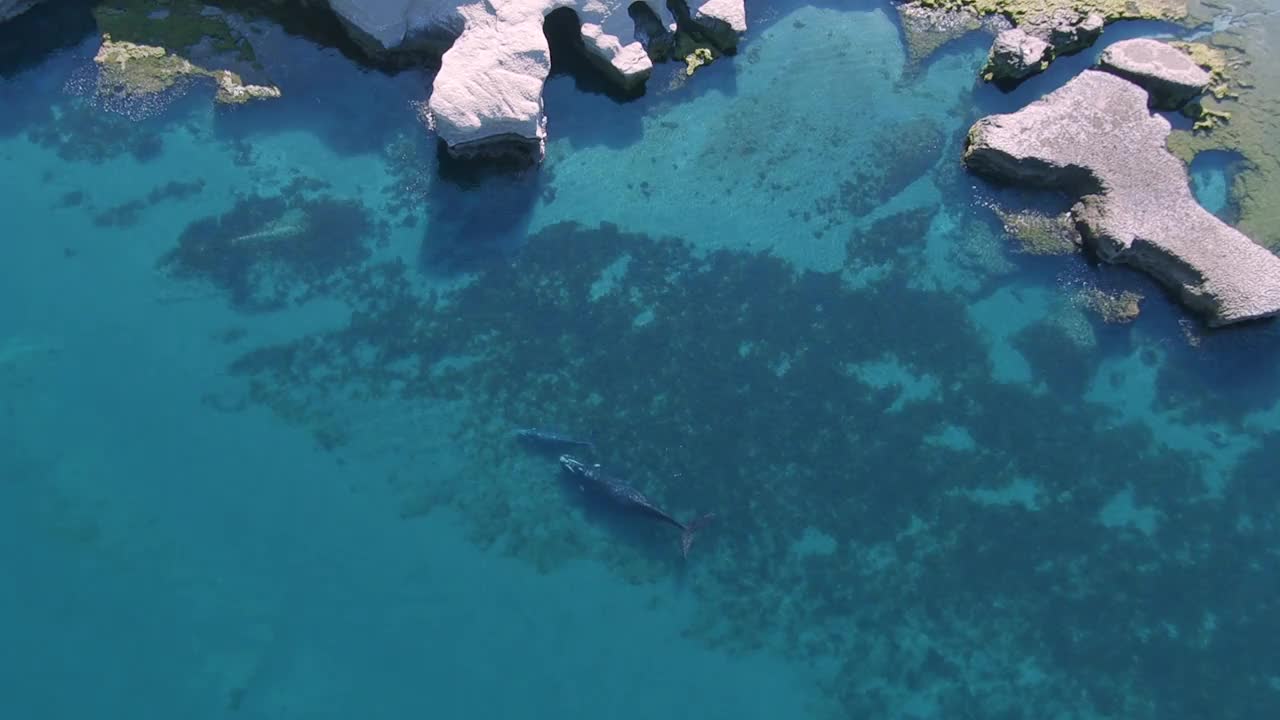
<point x="259" y="367"/>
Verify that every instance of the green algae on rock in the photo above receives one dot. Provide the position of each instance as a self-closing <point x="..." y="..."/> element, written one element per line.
<point x="927" y="29"/>
<point x="1241" y="117"/>
<point x="696" y="59"/>
<point x="1214" y="61"/>
<point x="178" y="25"/>
<point x="1040" y="233"/>
<point x="1020" y="11"/>
<point x="1062" y="26"/>
<point x="1121" y="307"/>
<point x="135" y="70"/>
<point x="1095" y="139"/>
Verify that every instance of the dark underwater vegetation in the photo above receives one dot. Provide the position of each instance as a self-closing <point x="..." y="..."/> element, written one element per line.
<point x="261" y="368"/>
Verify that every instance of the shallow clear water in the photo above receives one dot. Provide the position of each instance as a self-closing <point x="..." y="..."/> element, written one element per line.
<point x="259" y="368"/>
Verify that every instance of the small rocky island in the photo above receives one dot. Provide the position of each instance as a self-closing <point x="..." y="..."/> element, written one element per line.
<point x="1096" y="139"/>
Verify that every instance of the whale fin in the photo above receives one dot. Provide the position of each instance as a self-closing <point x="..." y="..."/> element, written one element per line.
<point x="691" y="528"/>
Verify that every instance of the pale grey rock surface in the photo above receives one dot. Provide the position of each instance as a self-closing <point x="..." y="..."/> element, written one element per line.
<point x="1096" y="138"/>
<point x="1067" y="30"/>
<point x="1037" y="41"/>
<point x="1016" y="55"/>
<point x="1170" y="76"/>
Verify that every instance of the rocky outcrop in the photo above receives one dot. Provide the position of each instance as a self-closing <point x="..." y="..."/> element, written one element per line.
<point x="132" y="70"/>
<point x="1067" y="31"/>
<point x="13" y="8"/>
<point x="1028" y="48"/>
<point x="1096" y="139"/>
<point x="1016" y="55"/>
<point x="926" y="29"/>
<point x="724" y="21"/>
<point x="1169" y="75"/>
<point x="487" y="97"/>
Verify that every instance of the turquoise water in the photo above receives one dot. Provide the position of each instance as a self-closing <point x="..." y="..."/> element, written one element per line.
<point x="1211" y="174"/>
<point x="260" y="366"/>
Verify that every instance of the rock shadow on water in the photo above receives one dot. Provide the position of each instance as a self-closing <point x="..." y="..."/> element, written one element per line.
<point x="582" y="102"/>
<point x="351" y="105"/>
<point x="479" y="211"/>
<point x="29" y="39"/>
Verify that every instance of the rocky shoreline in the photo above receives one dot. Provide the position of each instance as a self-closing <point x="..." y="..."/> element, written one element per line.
<point x="1096" y="139"/>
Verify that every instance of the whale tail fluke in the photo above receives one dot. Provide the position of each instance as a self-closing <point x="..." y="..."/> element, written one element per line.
<point x="691" y="529"/>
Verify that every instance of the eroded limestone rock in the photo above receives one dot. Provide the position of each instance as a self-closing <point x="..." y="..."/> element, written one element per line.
<point x="487" y="98"/>
<point x="1096" y="139"/>
<point x="1169" y="75"/>
<point x="926" y="29"/>
<point x="1016" y="55"/>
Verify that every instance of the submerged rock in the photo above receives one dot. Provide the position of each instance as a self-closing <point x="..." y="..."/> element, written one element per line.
<point x="1169" y="75"/>
<point x="1095" y="138"/>
<point x="926" y="29"/>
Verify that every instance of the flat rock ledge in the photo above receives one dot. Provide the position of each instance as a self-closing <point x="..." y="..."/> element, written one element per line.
<point x="1096" y="139"/>
<point x="1169" y="75"/>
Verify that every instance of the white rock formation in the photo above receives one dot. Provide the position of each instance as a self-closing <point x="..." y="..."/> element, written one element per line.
<point x="383" y="26"/>
<point x="488" y="94"/>
<point x="1095" y="138"/>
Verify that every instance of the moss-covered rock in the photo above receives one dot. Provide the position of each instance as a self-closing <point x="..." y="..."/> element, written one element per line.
<point x="1121" y="307"/>
<point x="696" y="59"/>
<point x="1067" y="26"/>
<point x="1020" y="11"/>
<point x="130" y="69"/>
<point x="1040" y="233"/>
<point x="927" y="29"/>
<point x="1239" y="115"/>
<point x="177" y="25"/>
